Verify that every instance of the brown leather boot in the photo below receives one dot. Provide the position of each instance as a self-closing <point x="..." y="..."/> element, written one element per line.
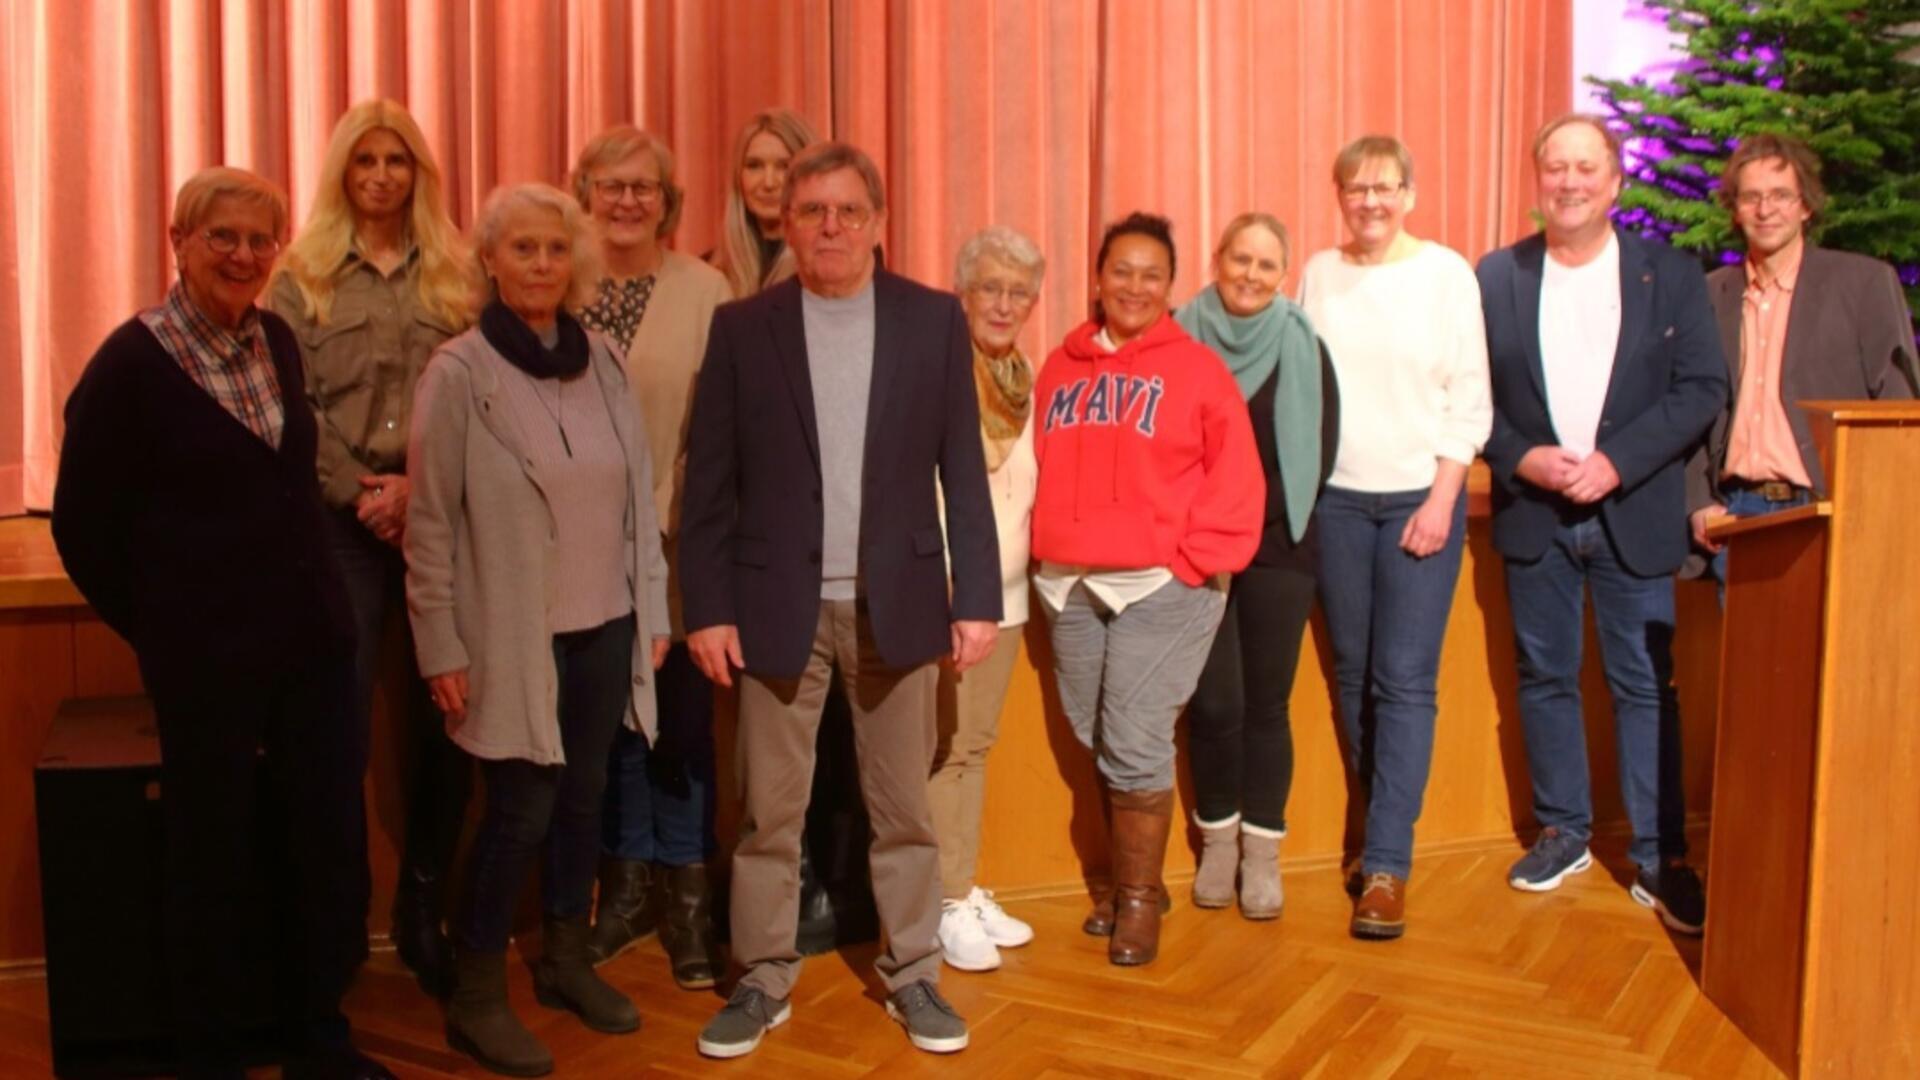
<point x="1141" y="822"/>
<point x="1381" y="912"/>
<point x="686" y="928"/>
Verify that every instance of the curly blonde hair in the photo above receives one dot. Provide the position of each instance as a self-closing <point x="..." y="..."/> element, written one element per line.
<point x="316" y="258"/>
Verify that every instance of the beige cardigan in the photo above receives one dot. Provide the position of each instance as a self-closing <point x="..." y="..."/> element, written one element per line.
<point x="662" y="364"/>
<point x="480" y="554"/>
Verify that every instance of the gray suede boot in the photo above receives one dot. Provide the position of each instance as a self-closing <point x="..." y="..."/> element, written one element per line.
<point x="482" y="1026"/>
<point x="1260" y="896"/>
<point x="1213" y="879"/>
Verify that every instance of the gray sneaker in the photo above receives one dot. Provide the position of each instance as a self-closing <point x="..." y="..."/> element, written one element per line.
<point x="1554" y="856"/>
<point x="737" y="1029"/>
<point x="931" y="1023"/>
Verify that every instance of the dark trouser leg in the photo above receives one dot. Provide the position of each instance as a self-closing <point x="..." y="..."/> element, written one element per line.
<point x="595" y="669"/>
<point x="1412" y="599"/>
<point x="1273" y="619"/>
<point x="1634" y="617"/>
<point x="1548" y="598"/>
<point x="1216" y="717"/>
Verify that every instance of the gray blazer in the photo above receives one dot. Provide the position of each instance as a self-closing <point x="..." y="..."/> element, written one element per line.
<point x="481" y="553"/>
<point x="1849" y="338"/>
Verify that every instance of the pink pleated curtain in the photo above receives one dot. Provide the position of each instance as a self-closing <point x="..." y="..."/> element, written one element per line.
<point x="1052" y="116"/>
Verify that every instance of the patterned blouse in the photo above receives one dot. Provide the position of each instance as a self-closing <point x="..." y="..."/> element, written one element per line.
<point x="618" y="309"/>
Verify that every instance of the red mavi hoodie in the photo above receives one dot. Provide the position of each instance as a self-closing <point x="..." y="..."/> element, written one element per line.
<point x="1146" y="457"/>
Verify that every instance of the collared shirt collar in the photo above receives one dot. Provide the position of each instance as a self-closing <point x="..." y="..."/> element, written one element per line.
<point x="218" y="343"/>
<point x="1783" y="277"/>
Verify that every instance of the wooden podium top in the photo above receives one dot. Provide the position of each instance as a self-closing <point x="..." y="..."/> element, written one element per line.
<point x="31" y="575"/>
<point x="1867" y="412"/>
<point x="1734" y="526"/>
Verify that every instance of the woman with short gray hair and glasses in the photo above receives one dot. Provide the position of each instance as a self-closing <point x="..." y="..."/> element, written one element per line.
<point x="998" y="278"/>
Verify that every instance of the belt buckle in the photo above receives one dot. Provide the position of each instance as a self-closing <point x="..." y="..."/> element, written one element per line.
<point x="1776" y="491"/>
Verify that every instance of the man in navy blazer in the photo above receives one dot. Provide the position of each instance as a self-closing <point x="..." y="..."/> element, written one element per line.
<point x="826" y="408"/>
<point x="1606" y="371"/>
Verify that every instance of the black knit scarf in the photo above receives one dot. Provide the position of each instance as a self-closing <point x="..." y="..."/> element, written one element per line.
<point x="514" y="339"/>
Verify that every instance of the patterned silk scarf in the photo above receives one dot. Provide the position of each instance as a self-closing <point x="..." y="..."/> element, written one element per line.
<point x="1005" y="387"/>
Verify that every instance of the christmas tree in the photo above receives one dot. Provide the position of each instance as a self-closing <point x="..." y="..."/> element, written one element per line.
<point x="1840" y="74"/>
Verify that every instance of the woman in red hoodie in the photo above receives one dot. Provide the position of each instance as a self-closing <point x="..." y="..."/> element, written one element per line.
<point x="1150" y="491"/>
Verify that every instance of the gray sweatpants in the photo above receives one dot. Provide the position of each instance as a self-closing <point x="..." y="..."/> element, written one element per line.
<point x="1124" y="678"/>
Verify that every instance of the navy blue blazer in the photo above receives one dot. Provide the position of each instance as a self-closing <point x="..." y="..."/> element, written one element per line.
<point x="1669" y="381"/>
<point x="752" y="519"/>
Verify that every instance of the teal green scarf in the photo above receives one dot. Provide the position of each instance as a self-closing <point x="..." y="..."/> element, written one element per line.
<point x="1253" y="346"/>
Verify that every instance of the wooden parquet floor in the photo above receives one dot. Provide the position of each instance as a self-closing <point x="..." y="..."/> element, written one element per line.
<point x="1487" y="982"/>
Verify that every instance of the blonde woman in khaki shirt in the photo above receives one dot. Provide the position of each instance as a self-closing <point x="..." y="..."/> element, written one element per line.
<point x="375" y="281"/>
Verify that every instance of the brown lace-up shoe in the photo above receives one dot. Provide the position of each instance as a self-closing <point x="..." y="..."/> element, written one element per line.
<point x="1381" y="911"/>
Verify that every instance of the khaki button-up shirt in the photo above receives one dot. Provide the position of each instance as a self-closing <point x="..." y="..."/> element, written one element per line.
<point x="361" y="368"/>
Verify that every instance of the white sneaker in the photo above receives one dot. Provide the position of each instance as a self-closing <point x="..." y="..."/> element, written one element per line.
<point x="1002" y="929"/>
<point x="963" y="940"/>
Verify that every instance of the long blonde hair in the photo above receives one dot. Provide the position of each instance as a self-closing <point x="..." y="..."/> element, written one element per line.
<point x="315" y="258"/>
<point x="739" y="256"/>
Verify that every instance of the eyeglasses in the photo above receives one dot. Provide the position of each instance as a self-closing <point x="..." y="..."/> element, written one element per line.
<point x="613" y="190"/>
<point x="1357" y="193"/>
<point x="811" y="215"/>
<point x="993" y="292"/>
<point x="1775" y="199"/>
<point x="227" y="241"/>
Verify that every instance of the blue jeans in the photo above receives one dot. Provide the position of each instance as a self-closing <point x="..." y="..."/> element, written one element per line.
<point x="1634" y="616"/>
<point x="1387" y="619"/>
<point x="1748" y="503"/>
<point x="660" y="798"/>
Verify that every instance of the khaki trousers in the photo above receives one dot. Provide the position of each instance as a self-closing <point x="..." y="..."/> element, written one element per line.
<point x="969" y="722"/>
<point x="893" y="736"/>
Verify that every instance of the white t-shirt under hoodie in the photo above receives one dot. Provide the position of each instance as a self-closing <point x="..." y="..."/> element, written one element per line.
<point x="1410" y="350"/>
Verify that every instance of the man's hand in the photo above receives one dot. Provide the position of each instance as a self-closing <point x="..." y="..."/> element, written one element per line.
<point x="1702" y="520"/>
<point x="1592" y="480"/>
<point x="972" y="641"/>
<point x="716" y="652"/>
<point x="449" y="691"/>
<point x="1547" y="467"/>
<point x="660" y="647"/>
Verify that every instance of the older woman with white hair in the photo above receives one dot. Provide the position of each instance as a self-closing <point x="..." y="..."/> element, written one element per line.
<point x="998" y="278"/>
<point x="539" y="602"/>
<point x="655" y="304"/>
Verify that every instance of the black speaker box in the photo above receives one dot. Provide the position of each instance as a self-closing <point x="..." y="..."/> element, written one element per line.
<point x="97" y="797"/>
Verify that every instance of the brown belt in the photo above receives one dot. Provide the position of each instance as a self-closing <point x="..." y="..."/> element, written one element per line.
<point x="1770" y="490"/>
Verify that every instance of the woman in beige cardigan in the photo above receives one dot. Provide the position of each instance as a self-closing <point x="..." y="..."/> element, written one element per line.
<point x="539" y="601"/>
<point x="655" y="305"/>
<point x="998" y="278"/>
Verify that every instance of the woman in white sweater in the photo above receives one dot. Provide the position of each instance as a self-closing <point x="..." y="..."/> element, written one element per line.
<point x="998" y="278"/>
<point x="1401" y="317"/>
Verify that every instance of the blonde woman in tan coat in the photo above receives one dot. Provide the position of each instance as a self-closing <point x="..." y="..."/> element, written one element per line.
<point x="655" y="304"/>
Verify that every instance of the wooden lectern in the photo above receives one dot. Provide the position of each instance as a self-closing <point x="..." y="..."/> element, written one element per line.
<point x="1812" y="937"/>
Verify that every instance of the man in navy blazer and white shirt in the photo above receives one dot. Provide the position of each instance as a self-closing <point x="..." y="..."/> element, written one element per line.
<point x="1606" y="370"/>
<point x="827" y="406"/>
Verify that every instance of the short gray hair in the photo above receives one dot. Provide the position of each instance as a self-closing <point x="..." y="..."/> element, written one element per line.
<point x="1010" y="246"/>
<point x="586" y="250"/>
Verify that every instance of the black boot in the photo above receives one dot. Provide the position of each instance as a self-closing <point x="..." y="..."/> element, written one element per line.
<point x="563" y="979"/>
<point x="480" y="1023"/>
<point x="686" y="928"/>
<point x="417" y="935"/>
<point x="629" y="907"/>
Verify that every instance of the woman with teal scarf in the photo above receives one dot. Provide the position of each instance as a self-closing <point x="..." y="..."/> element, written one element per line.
<point x="1241" y="738"/>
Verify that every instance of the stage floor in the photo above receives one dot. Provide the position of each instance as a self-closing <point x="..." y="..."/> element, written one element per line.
<point x="1487" y="982"/>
